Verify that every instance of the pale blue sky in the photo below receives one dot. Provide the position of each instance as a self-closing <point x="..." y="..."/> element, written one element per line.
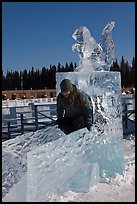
<point x="38" y="34"/>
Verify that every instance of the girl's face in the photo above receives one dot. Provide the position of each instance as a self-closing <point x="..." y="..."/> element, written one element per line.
<point x="66" y="93"/>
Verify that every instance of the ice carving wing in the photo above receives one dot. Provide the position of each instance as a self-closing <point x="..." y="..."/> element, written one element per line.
<point x="107" y="44"/>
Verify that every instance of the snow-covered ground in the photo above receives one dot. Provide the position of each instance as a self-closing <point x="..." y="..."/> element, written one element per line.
<point x="120" y="188"/>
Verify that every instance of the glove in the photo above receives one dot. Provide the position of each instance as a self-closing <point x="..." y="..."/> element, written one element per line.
<point x="88" y="135"/>
<point x="90" y="129"/>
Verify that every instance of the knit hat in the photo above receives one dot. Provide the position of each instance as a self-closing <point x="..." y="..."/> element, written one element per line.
<point x="66" y="85"/>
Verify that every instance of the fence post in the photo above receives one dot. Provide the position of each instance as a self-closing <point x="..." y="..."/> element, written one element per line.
<point x="13" y="115"/>
<point x="36" y="117"/>
<point x="9" y="135"/>
<point x="22" y="125"/>
<point x="33" y="109"/>
<point x="126" y="118"/>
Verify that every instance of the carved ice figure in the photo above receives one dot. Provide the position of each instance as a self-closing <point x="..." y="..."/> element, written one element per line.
<point x="107" y="44"/>
<point x="94" y="56"/>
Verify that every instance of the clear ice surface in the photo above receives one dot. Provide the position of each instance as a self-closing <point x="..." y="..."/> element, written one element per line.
<point x="72" y="163"/>
<point x="14" y="154"/>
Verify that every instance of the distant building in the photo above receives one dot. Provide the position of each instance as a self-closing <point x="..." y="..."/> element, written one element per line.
<point x="28" y="94"/>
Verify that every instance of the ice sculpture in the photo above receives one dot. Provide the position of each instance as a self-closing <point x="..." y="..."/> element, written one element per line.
<point x="77" y="162"/>
<point x="94" y="56"/>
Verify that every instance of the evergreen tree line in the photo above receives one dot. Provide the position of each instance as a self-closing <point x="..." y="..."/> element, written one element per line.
<point x="46" y="77"/>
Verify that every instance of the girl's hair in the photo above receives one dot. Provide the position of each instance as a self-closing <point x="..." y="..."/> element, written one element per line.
<point x="75" y="98"/>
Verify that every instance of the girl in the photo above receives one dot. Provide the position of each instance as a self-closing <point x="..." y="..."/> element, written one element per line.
<point x="74" y="108"/>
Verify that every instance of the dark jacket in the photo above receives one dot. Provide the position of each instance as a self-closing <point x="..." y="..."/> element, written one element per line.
<point x="67" y="110"/>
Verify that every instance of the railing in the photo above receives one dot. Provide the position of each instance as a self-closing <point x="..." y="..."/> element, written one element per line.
<point x="40" y="115"/>
<point x="25" y="102"/>
<point x="128" y="119"/>
<point x="128" y="113"/>
<point x="20" y="123"/>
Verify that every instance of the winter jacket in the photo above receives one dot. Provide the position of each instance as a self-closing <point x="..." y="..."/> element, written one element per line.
<point x="67" y="110"/>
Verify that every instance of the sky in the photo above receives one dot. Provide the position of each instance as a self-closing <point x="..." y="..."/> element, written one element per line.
<point x="39" y="34"/>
